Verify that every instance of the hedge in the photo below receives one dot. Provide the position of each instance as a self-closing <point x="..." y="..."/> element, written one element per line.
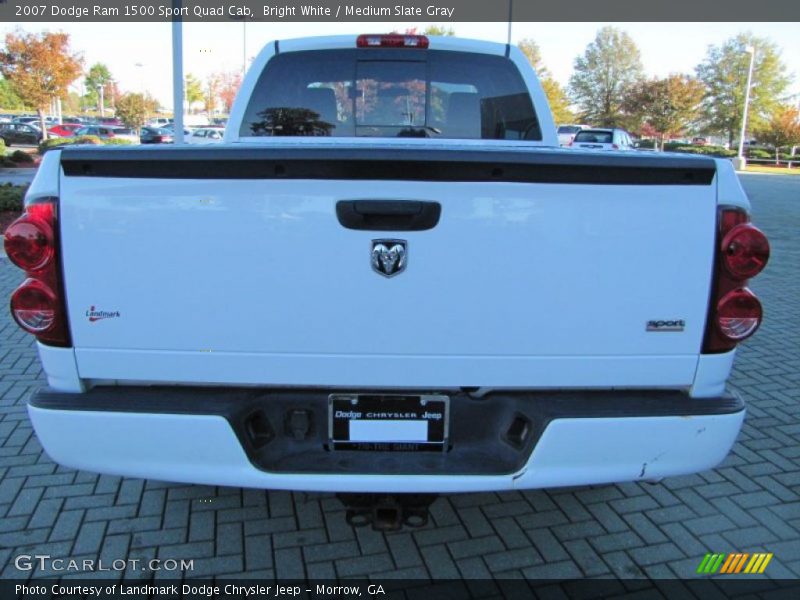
<point x="116" y="142"/>
<point x="11" y="197"/>
<point x="718" y="151"/>
<point x="83" y="139"/>
<point x="59" y="142"/>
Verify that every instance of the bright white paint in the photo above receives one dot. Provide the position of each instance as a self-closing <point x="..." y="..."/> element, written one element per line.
<point x="254" y="282"/>
<point x="204" y="449"/>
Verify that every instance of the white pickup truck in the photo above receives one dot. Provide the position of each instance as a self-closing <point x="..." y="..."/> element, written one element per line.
<point x="388" y="279"/>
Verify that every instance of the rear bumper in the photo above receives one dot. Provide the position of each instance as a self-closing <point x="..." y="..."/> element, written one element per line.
<point x="201" y="435"/>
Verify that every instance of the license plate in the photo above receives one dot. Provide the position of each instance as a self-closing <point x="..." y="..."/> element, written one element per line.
<point x="388" y="422"/>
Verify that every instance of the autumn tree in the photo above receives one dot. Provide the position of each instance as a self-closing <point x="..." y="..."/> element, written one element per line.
<point x="98" y="76"/>
<point x="211" y="93"/>
<point x="40" y="66"/>
<point x="229" y="84"/>
<point x="193" y="90"/>
<point x="667" y="105"/>
<point x="724" y="73"/>
<point x="133" y="109"/>
<point x="556" y="94"/>
<point x="782" y="129"/>
<point x="602" y="77"/>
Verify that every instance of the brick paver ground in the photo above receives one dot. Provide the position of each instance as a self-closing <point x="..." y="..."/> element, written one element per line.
<point x="750" y="503"/>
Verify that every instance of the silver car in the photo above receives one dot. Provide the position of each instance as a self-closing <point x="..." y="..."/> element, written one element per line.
<point x="567" y="132"/>
<point x="602" y="139"/>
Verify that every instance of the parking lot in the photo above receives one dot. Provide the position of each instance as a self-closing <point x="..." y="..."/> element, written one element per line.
<point x="750" y="503"/>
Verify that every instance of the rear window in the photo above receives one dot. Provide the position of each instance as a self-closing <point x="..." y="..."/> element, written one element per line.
<point x="568" y="129"/>
<point x="595" y="137"/>
<point x="391" y="93"/>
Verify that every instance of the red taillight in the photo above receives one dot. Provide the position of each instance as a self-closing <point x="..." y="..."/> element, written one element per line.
<point x="738" y="314"/>
<point x="391" y="40"/>
<point x="37" y="305"/>
<point x="745" y="251"/>
<point x="34" y="306"/>
<point x="28" y="241"/>
<point x="735" y="313"/>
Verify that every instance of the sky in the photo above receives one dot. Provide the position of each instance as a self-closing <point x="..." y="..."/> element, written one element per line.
<point x="211" y="47"/>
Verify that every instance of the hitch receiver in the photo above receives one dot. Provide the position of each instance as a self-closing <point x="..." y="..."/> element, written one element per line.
<point x="387" y="512"/>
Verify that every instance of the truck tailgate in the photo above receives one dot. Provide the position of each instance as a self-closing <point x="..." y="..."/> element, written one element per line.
<point x="231" y="266"/>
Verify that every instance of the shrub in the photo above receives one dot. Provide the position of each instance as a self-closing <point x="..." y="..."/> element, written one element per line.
<point x="11" y="197"/>
<point x="51" y="143"/>
<point x="61" y="142"/>
<point x="762" y="154"/>
<point x="21" y="157"/>
<point x="2" y="147"/>
<point x="718" y="151"/>
<point x="87" y="139"/>
<point x="116" y="142"/>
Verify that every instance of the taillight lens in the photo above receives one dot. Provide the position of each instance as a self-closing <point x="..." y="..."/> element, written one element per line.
<point x="31" y="243"/>
<point x="745" y="251"/>
<point x="28" y="241"/>
<point x="34" y="306"/>
<point x="739" y="314"/>
<point x="391" y="40"/>
<point x="735" y="313"/>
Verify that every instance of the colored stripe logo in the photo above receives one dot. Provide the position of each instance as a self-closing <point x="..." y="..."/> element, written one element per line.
<point x="735" y="562"/>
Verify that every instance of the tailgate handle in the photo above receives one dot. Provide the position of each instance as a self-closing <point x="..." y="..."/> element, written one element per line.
<point x="388" y="215"/>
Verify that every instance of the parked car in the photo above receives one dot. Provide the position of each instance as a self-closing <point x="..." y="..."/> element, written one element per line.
<point x="20" y="134"/>
<point x="324" y="306"/>
<point x="567" y="132"/>
<point x="155" y="135"/>
<point x="206" y="135"/>
<point x="602" y="139"/>
<point x="111" y="121"/>
<point x="26" y="120"/>
<point x="65" y="130"/>
<point x="106" y="132"/>
<point x="700" y="141"/>
<point x="159" y="122"/>
<point x="171" y="128"/>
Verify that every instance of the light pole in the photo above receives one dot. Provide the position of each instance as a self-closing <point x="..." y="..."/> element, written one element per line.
<point x="740" y="163"/>
<point x="102" y="100"/>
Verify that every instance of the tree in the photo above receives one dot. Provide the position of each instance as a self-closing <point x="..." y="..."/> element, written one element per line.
<point x="556" y="95"/>
<point x="609" y="67"/>
<point x="9" y="99"/>
<point x="558" y="100"/>
<point x="98" y="76"/>
<point x="724" y="73"/>
<point x="438" y="30"/>
<point x="193" y="90"/>
<point x="133" y="109"/>
<point x="211" y="93"/>
<point x="229" y="84"/>
<point x="40" y="67"/>
<point x="667" y="105"/>
<point x="782" y="129"/>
